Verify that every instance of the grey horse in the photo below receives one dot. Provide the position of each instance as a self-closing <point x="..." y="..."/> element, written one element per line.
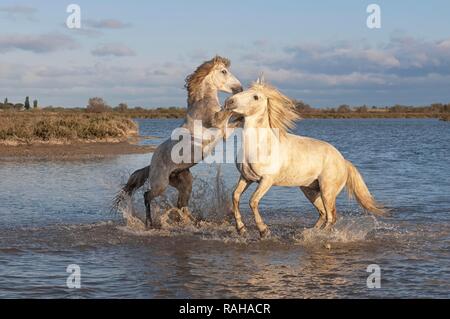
<point x="203" y="105"/>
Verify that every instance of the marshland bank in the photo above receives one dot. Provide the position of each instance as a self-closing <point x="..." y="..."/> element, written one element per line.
<point x="45" y="134"/>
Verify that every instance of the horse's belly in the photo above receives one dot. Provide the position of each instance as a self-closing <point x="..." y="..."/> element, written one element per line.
<point x="295" y="179"/>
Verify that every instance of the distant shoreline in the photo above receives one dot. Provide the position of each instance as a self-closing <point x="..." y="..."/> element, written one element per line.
<point x="438" y="111"/>
<point x="64" y="134"/>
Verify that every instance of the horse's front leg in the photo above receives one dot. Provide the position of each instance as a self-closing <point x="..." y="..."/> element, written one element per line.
<point x="241" y="187"/>
<point x="263" y="188"/>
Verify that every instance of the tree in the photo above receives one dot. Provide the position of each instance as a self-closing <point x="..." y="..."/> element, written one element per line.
<point x="6" y="101"/>
<point x="362" y="109"/>
<point x="97" y="105"/>
<point x="302" y="107"/>
<point x="35" y="104"/>
<point x="27" y="103"/>
<point x="122" y="107"/>
<point x="344" y="109"/>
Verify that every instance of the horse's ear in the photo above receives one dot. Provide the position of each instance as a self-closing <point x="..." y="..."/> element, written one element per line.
<point x="261" y="78"/>
<point x="258" y="81"/>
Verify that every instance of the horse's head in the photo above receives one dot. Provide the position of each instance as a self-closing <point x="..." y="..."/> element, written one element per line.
<point x="249" y="102"/>
<point x="262" y="99"/>
<point x="224" y="80"/>
<point x="213" y="73"/>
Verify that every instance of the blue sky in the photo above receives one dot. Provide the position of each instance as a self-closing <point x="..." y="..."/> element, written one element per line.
<point x="140" y="52"/>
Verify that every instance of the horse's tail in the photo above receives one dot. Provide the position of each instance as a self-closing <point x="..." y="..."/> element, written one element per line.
<point x="357" y="189"/>
<point x="135" y="181"/>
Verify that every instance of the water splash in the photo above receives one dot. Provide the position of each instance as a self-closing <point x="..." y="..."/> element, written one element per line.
<point x="348" y="229"/>
<point x="210" y="205"/>
<point x="210" y="217"/>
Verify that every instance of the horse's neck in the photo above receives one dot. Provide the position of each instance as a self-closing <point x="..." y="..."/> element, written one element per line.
<point x="258" y="126"/>
<point x="204" y="106"/>
<point x="257" y="121"/>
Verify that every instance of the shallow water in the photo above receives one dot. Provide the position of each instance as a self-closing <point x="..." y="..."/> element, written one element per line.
<point x="56" y="213"/>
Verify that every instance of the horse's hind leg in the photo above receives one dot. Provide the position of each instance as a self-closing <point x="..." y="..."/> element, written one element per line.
<point x="330" y="189"/>
<point x="329" y="202"/>
<point x="314" y="196"/>
<point x="183" y="183"/>
<point x="155" y="191"/>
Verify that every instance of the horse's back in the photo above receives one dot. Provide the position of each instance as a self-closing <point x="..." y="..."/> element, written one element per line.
<point x="306" y="159"/>
<point x="312" y="146"/>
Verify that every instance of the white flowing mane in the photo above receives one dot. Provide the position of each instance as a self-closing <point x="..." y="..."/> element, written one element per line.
<point x="282" y="111"/>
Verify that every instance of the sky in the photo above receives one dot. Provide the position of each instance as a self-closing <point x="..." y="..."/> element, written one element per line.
<point x="137" y="52"/>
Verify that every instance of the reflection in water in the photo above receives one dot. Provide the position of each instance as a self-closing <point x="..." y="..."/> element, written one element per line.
<point x="53" y="214"/>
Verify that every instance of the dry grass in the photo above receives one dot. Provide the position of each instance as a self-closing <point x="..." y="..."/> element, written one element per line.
<point x="63" y="127"/>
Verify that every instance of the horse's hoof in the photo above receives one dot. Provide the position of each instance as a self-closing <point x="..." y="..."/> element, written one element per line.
<point x="319" y="225"/>
<point x="242" y="232"/>
<point x="329" y="226"/>
<point x="265" y="233"/>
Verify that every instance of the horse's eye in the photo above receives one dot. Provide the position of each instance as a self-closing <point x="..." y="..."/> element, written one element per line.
<point x="256" y="97"/>
<point x="224" y="72"/>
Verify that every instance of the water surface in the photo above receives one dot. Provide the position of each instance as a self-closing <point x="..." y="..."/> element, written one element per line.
<point x="56" y="213"/>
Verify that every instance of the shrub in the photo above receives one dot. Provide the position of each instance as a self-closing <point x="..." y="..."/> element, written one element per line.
<point x="18" y="106"/>
<point x="122" y="107"/>
<point x="97" y="105"/>
<point x="344" y="109"/>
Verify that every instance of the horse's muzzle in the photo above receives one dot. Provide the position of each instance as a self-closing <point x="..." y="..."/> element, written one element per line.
<point x="237" y="89"/>
<point x="229" y="104"/>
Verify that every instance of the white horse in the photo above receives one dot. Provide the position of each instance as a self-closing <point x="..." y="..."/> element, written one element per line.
<point x="315" y="166"/>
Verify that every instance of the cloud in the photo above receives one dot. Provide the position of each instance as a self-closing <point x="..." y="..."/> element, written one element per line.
<point x="403" y="70"/>
<point x="106" y="24"/>
<point x="113" y="49"/>
<point x="72" y="85"/>
<point x="16" y="11"/>
<point x="401" y="56"/>
<point x="96" y="28"/>
<point x="37" y="43"/>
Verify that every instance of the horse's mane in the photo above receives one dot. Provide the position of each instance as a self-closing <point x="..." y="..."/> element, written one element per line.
<point x="194" y="80"/>
<point x="282" y="111"/>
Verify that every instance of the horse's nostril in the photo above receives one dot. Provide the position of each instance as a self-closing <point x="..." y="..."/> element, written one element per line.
<point x="229" y="104"/>
<point x="238" y="89"/>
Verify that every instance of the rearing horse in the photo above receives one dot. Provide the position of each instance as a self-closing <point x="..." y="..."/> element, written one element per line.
<point x="203" y="105"/>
